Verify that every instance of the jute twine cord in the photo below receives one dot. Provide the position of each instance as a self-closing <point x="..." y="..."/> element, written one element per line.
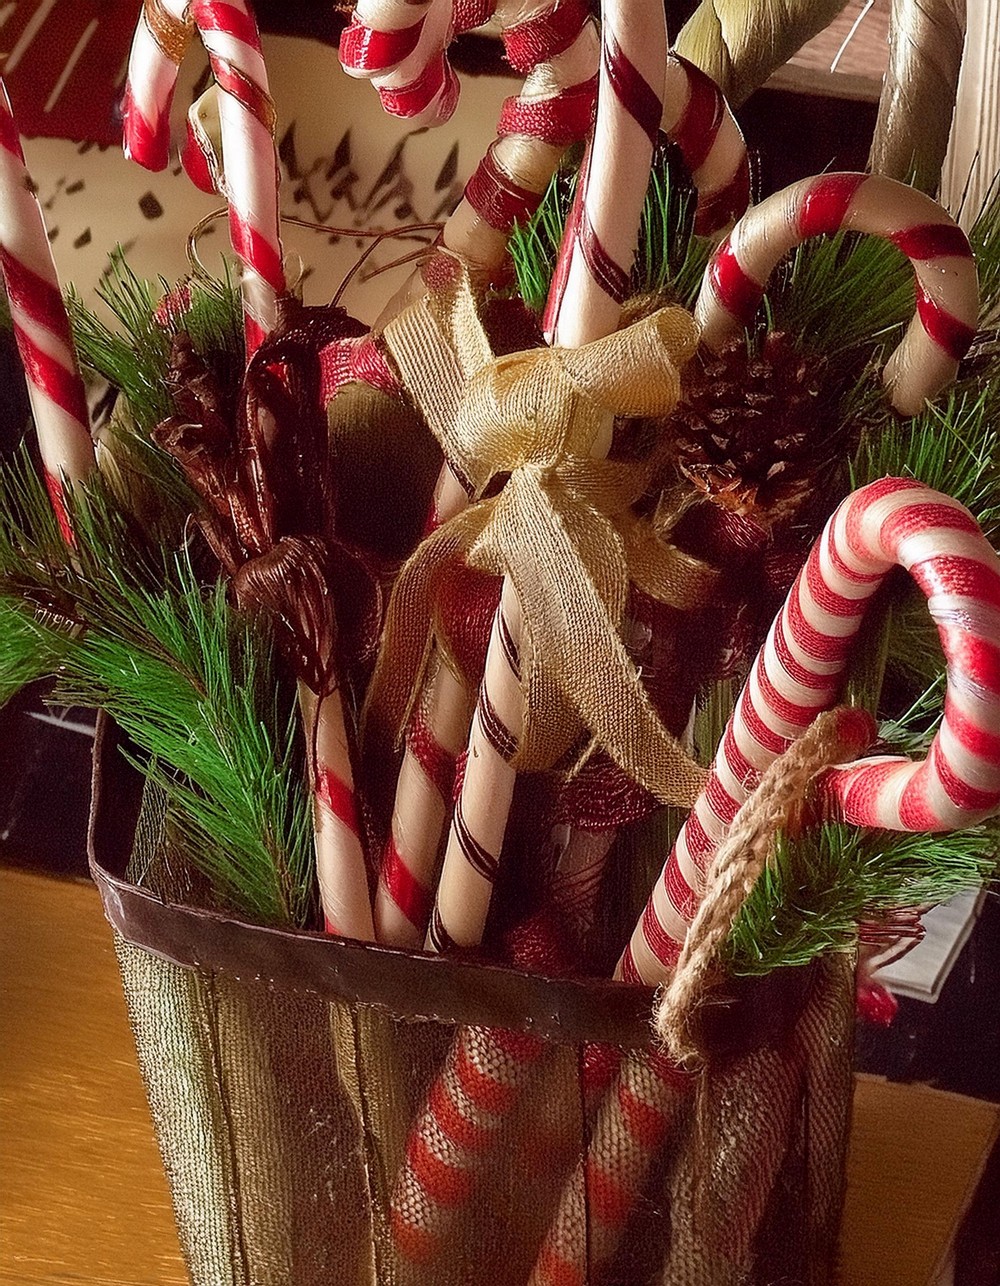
<point x="776" y="805"/>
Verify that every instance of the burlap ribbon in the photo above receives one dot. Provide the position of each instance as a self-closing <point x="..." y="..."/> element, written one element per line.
<point x="562" y="528"/>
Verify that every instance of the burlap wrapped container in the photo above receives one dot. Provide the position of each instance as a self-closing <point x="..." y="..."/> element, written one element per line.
<point x="285" y="1070"/>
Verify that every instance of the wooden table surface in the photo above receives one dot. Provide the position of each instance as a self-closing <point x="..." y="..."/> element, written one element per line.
<point x="84" y="1200"/>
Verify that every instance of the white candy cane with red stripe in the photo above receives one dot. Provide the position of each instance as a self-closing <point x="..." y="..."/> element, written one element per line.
<point x="341" y="871"/>
<point x="468" y="1106"/>
<point x="798" y="673"/>
<point x="399" y="45"/>
<point x="947" y="292"/>
<point x="696" y="117"/>
<point x="613" y="191"/>
<point x="41" y="326"/>
<point x="230" y="37"/>
<point x="604" y="1189"/>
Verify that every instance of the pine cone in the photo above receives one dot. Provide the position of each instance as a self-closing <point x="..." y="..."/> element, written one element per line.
<point x="748" y="430"/>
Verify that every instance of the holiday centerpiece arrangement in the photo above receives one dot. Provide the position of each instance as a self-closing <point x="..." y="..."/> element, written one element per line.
<point x="616" y="612"/>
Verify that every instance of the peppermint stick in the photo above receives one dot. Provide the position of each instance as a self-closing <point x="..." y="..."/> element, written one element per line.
<point x="798" y="672"/>
<point x="947" y="294"/>
<point x="612" y="194"/>
<point x="229" y="34"/>
<point x="41" y="326"/>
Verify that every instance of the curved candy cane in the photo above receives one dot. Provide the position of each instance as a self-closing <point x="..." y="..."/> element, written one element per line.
<point x="231" y="39"/>
<point x="947" y="291"/>
<point x="696" y="117"/>
<point x="41" y="326"/>
<point x="798" y="672"/>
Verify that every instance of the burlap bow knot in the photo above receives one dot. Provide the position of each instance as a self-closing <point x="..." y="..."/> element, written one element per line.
<point x="562" y="528"/>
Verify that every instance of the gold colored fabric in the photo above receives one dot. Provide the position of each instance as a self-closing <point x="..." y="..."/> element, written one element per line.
<point x="926" y="39"/>
<point x="284" y="1119"/>
<point x="562" y="529"/>
<point x="171" y="34"/>
<point x="739" y="43"/>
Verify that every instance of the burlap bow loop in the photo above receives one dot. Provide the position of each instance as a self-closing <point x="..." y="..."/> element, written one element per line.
<point x="563" y="529"/>
<point x="492" y="415"/>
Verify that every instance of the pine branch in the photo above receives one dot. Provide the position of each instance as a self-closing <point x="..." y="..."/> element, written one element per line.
<point x="815" y="891"/>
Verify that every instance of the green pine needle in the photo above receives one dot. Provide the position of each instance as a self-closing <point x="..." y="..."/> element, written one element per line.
<point x="812" y="895"/>
<point x="197" y="687"/>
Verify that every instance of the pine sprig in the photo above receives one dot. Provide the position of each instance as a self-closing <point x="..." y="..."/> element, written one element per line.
<point x="198" y="688"/>
<point x="815" y="891"/>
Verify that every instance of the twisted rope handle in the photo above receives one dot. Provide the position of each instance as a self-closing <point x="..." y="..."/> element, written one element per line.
<point x="836" y="736"/>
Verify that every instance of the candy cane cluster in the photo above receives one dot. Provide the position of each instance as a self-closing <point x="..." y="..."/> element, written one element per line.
<point x="229" y="34"/>
<point x="798" y="672"/>
<point x="41" y="326"/>
<point x="947" y="291"/>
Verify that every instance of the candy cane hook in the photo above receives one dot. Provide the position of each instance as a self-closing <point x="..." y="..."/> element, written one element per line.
<point x="798" y="673"/>
<point x="229" y="34"/>
<point x="947" y="290"/>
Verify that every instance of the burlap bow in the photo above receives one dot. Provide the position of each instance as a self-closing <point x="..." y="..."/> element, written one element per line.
<point x="562" y="528"/>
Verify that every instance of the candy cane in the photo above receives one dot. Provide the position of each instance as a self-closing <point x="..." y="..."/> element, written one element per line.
<point x="697" y="118"/>
<point x="229" y="34"/>
<point x="607" y="1184"/>
<point x="947" y="293"/>
<point x="469" y="1103"/>
<point x="41" y="326"/>
<point x="612" y="194"/>
<point x="798" y="672"/>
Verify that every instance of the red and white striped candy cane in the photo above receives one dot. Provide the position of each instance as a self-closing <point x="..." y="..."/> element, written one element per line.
<point x="798" y="673"/>
<point x="229" y="34"/>
<point x="947" y="293"/>
<point x="41" y="326"/>
<point x="468" y="1106"/>
<point x="606" y="1186"/>
<point x="161" y="39"/>
<point x="399" y="45"/>
<point x="696" y="117"/>
<point x="612" y="195"/>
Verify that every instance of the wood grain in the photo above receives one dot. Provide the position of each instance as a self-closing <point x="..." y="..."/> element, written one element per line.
<point x="84" y="1197"/>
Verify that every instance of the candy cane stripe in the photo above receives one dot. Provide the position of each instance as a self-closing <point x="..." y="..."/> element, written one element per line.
<point x="636" y="95"/>
<point x="947" y="299"/>
<point x="366" y="51"/>
<point x="546" y="35"/>
<point x="556" y="121"/>
<point x="496" y="198"/>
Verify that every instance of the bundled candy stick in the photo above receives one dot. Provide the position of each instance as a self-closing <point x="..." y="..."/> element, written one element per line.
<point x="421" y="809"/>
<point x="696" y="117"/>
<point x="340" y="861"/>
<point x="41" y="326"/>
<point x="612" y="193"/>
<point x="246" y="112"/>
<point x="947" y="293"/>
<point x="798" y="672"/>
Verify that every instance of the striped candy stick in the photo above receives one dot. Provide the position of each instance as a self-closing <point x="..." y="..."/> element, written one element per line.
<point x="947" y="293"/>
<point x="469" y="1104"/>
<point x="612" y="195"/>
<point x="798" y="672"/>
<point x="469" y="864"/>
<point x="695" y="117"/>
<point x="229" y="34"/>
<point x="41" y="326"/>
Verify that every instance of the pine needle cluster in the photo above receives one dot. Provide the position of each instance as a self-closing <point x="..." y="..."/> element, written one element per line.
<point x="127" y="627"/>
